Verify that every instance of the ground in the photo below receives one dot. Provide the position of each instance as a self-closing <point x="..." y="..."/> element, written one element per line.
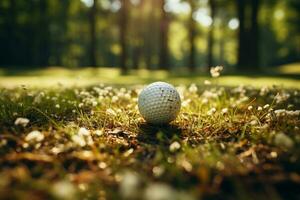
<point x="88" y="141"/>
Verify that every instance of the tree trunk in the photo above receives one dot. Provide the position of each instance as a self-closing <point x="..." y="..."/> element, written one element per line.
<point x="123" y="34"/>
<point x="93" y="40"/>
<point x="254" y="35"/>
<point x="248" y="36"/>
<point x="241" y="54"/>
<point x="212" y="5"/>
<point x="163" y="45"/>
<point x="42" y="55"/>
<point x="192" y="35"/>
<point x="11" y="30"/>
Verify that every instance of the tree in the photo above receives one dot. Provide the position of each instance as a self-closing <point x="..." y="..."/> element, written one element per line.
<point x="192" y="36"/>
<point x="212" y="5"/>
<point x="123" y="21"/>
<point x="248" y="36"/>
<point x="93" y="39"/>
<point x="43" y="51"/>
<point x="164" y="26"/>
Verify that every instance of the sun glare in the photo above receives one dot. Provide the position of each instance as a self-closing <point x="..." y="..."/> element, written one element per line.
<point x="176" y="6"/>
<point x="233" y="23"/>
<point x="88" y="3"/>
<point x="202" y="17"/>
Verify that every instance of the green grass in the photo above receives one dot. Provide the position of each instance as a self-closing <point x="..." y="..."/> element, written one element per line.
<point x="226" y="143"/>
<point x="56" y="77"/>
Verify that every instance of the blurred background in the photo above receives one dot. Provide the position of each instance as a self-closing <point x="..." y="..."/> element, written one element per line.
<point x="176" y="35"/>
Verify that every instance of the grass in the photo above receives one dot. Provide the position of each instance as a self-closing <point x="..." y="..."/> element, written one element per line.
<point x="286" y="76"/>
<point x="88" y="141"/>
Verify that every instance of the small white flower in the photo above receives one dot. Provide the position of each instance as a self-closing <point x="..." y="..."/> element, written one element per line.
<point x="80" y="105"/>
<point x="115" y="99"/>
<point x="253" y="122"/>
<point x="79" y="140"/>
<point x="174" y="146"/>
<point x="83" y="131"/>
<point x="158" y="170"/>
<point x="224" y="110"/>
<point x="250" y="107"/>
<point x="193" y="88"/>
<point x="216" y="71"/>
<point x="259" y="108"/>
<point x="110" y="111"/>
<point x="57" y="106"/>
<point x="266" y="106"/>
<point x="204" y="101"/>
<point x="35" y="136"/>
<point x="99" y="132"/>
<point x="211" y="111"/>
<point x="22" y="121"/>
<point x="94" y="103"/>
<point x="102" y="165"/>
<point x="207" y="82"/>
<point x="185" y="103"/>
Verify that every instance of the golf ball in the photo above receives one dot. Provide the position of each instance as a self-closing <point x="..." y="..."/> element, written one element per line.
<point x="159" y="103"/>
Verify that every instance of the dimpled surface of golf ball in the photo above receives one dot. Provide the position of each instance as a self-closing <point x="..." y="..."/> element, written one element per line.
<point x="159" y="103"/>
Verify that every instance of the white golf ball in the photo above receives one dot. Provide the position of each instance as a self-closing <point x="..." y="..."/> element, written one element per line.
<point x="159" y="103"/>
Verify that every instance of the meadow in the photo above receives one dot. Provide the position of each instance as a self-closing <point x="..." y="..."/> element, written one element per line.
<point x="67" y="134"/>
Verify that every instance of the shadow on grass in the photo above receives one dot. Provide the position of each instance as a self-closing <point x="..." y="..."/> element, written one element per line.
<point x="158" y="134"/>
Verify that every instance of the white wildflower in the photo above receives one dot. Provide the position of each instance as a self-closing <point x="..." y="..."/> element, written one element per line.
<point x="174" y="146"/>
<point x="94" y="103"/>
<point x="283" y="112"/>
<point x="57" y="106"/>
<point x="259" y="108"/>
<point x="79" y="140"/>
<point x="264" y="91"/>
<point x="110" y="111"/>
<point x="266" y="106"/>
<point x="80" y="105"/>
<point x="99" y="132"/>
<point x="185" y="103"/>
<point x="158" y="171"/>
<point x="193" y="88"/>
<point x="22" y="121"/>
<point x="281" y="97"/>
<point x="250" y="107"/>
<point x="211" y="111"/>
<point x="210" y="95"/>
<point x="207" y="82"/>
<point x="224" y="110"/>
<point x="102" y="165"/>
<point x="83" y="131"/>
<point x="186" y="165"/>
<point x="35" y="136"/>
<point x="115" y="99"/>
<point x="253" y="122"/>
<point x="215" y="71"/>
<point x="204" y="101"/>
